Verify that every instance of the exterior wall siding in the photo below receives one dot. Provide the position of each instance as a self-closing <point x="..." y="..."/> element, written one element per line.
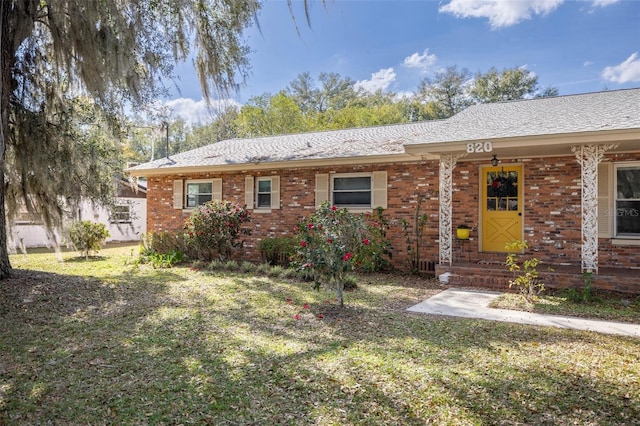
<point x="552" y="207"/>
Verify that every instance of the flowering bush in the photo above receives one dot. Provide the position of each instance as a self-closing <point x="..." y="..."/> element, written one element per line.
<point x="87" y="236"/>
<point x="374" y="253"/>
<point x="215" y="228"/>
<point x="329" y="243"/>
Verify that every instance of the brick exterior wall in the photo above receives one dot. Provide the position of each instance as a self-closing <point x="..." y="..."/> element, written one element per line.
<point x="552" y="222"/>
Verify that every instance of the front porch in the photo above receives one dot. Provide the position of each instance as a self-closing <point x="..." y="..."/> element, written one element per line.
<point x="495" y="276"/>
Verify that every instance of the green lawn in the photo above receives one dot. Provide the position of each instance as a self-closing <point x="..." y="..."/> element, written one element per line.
<point x="109" y="342"/>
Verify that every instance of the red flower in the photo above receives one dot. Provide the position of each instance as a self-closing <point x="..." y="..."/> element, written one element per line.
<point x="346" y="257"/>
<point x="320" y="316"/>
<point x="329" y="240"/>
<point x="296" y="316"/>
<point x="310" y="226"/>
<point x="375" y="224"/>
<point x="305" y="306"/>
<point x="303" y="243"/>
<point x="366" y="242"/>
<point x="334" y="208"/>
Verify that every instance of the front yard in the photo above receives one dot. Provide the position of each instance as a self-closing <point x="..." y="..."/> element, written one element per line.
<point x="110" y="342"/>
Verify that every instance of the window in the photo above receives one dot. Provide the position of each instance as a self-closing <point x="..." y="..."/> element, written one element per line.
<point x="263" y="196"/>
<point x="627" y="200"/>
<point x="192" y="193"/>
<point x="351" y="191"/>
<point x="262" y="193"/>
<point x="199" y="193"/>
<point x="121" y="214"/>
<point x="355" y="191"/>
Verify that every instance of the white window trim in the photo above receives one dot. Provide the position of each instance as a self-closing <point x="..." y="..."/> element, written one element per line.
<point x="621" y="239"/>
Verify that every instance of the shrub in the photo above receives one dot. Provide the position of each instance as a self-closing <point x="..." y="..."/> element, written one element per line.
<point x="586" y="294"/>
<point x="231" y="265"/>
<point x="329" y="240"/>
<point x="166" y="260"/>
<point x="263" y="269"/>
<point x="277" y="250"/>
<point x="87" y="236"/>
<point x="526" y="272"/>
<point x="216" y="265"/>
<point x="375" y="252"/>
<point x="215" y="228"/>
<point x="164" y="242"/>
<point x="247" y="266"/>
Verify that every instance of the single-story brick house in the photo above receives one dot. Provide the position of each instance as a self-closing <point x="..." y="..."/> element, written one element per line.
<point x="562" y="173"/>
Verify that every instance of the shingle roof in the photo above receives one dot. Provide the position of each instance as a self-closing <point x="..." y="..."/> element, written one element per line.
<point x="591" y="112"/>
<point x="349" y="143"/>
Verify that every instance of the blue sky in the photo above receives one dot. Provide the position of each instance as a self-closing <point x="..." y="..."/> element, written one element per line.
<point x="575" y="46"/>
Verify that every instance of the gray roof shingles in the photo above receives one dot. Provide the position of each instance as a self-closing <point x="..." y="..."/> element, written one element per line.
<point x="591" y="112"/>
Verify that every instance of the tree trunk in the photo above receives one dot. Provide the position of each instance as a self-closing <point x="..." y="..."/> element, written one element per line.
<point x="339" y="283"/>
<point x="5" y="265"/>
<point x="8" y="47"/>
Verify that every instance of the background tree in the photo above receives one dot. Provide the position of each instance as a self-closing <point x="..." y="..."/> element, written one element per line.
<point x="509" y="84"/>
<point x="303" y="93"/>
<point x="448" y="90"/>
<point x="113" y="51"/>
<point x="270" y="115"/>
<point x="222" y="128"/>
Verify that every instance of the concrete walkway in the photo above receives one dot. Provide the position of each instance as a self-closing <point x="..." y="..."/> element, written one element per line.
<point x="475" y="304"/>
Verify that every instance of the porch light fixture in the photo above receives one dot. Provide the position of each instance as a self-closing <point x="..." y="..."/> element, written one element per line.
<point x="494" y="161"/>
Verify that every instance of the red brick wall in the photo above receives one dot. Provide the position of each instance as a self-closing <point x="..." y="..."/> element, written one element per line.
<point x="551" y="213"/>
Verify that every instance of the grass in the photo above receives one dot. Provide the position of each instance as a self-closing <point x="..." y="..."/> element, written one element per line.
<point x="604" y="306"/>
<point x="111" y="342"/>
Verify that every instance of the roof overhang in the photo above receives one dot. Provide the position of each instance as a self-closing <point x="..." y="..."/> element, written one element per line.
<point x="627" y="140"/>
<point x="277" y="165"/>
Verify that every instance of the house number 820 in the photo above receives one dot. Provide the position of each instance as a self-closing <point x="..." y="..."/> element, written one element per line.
<point x="477" y="147"/>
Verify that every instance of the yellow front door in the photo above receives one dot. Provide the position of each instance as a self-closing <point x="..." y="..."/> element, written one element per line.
<point x="501" y="207"/>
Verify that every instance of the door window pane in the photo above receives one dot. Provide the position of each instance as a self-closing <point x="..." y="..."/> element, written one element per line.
<point x="502" y="191"/>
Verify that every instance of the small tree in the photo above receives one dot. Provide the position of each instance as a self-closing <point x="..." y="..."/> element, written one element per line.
<point x="329" y="241"/>
<point x="215" y="228"/>
<point x="526" y="272"/>
<point x="87" y="236"/>
<point x="413" y="232"/>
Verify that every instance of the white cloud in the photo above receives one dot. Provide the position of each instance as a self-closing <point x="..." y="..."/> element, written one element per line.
<point x="501" y="13"/>
<point x="587" y="64"/>
<point x="379" y="81"/>
<point x="422" y="62"/>
<point x="198" y="112"/>
<point x="604" y="3"/>
<point x="624" y="72"/>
